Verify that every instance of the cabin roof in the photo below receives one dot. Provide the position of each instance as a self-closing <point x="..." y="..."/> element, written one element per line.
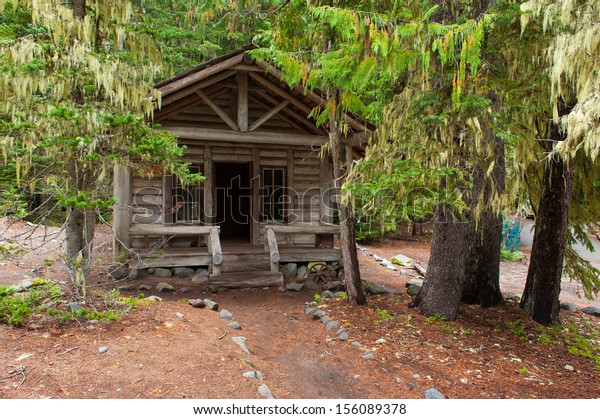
<point x="267" y="88"/>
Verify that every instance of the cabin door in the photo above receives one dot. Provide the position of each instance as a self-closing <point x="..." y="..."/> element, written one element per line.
<point x="233" y="200"/>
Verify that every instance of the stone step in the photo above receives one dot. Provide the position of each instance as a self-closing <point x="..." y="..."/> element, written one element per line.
<point x="257" y="279"/>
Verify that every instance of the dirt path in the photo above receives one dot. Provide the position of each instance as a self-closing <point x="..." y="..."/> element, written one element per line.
<point x="169" y="349"/>
<point x="158" y="353"/>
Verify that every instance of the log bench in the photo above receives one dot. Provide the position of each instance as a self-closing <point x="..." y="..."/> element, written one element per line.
<point x="212" y="233"/>
<point x="323" y="238"/>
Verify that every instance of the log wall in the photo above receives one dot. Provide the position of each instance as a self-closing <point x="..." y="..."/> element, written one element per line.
<point x="304" y="180"/>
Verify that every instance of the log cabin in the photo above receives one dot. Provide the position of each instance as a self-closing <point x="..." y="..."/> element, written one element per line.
<point x="268" y="195"/>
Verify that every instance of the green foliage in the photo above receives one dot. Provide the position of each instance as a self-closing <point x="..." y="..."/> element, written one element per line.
<point x="466" y="332"/>
<point x="517" y="329"/>
<point x="10" y="250"/>
<point x="511" y="256"/>
<point x="436" y="318"/>
<point x="448" y="328"/>
<point x="384" y="314"/>
<point x="318" y="298"/>
<point x="523" y="371"/>
<point x="582" y="340"/>
<point x="46" y="300"/>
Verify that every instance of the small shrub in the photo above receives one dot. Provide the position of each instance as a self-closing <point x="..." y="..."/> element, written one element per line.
<point x="523" y="370"/>
<point x="45" y="299"/>
<point x="511" y="256"/>
<point x="517" y="328"/>
<point x="384" y="314"/>
<point x="436" y="318"/>
<point x="448" y="328"/>
<point x="466" y="332"/>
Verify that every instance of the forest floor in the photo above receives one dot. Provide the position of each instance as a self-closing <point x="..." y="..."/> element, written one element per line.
<point x="168" y="349"/>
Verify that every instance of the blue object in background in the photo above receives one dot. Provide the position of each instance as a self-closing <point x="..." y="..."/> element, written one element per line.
<point x="511" y="235"/>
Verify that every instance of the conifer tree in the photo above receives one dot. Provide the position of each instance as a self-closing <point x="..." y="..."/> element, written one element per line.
<point x="74" y="90"/>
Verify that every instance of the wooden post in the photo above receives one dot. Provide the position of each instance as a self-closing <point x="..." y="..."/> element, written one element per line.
<point x="289" y="181"/>
<point x="215" y="250"/>
<point x="209" y="186"/>
<point x="242" y="108"/>
<point x="168" y="208"/>
<point x="274" y="256"/>
<point x="255" y="219"/>
<point x="122" y="211"/>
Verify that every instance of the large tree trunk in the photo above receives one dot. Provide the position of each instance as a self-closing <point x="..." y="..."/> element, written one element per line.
<point x="352" y="278"/>
<point x="482" y="273"/>
<point x="541" y="296"/>
<point x="442" y="288"/>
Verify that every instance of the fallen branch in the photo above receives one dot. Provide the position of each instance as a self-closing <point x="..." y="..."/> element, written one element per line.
<point x="68" y="350"/>
<point x="224" y="333"/>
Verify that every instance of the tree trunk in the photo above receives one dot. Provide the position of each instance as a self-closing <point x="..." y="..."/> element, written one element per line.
<point x="482" y="273"/>
<point x="74" y="234"/>
<point x="77" y="226"/>
<point x="352" y="278"/>
<point x="417" y="229"/>
<point x="541" y="296"/>
<point x="442" y="288"/>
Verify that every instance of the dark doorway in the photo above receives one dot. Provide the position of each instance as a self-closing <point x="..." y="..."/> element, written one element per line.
<point x="233" y="200"/>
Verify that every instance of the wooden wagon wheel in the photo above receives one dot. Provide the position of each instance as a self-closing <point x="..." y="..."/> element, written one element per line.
<point x="320" y="275"/>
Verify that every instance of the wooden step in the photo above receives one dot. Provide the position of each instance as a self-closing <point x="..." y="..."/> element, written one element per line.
<point x="246" y="279"/>
<point x="254" y="266"/>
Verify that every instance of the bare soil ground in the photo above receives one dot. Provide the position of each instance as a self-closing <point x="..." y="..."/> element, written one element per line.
<point x="168" y="349"/>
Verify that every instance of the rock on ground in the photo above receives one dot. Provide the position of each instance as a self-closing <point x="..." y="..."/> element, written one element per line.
<point x="592" y="311"/>
<point x="328" y="294"/>
<point x="162" y="272"/>
<point x="289" y="270"/>
<point x="253" y="374"/>
<point x="402" y="260"/>
<point x="241" y="342"/>
<point x="294" y="286"/>
<point x="182" y="272"/>
<point x="199" y="303"/>
<point x="234" y="325"/>
<point x="413" y="290"/>
<point x="333" y="325"/>
<point x="224" y="314"/>
<point x="211" y="305"/>
<point x="433" y="393"/>
<point x="319" y="314"/>
<point x="165" y="287"/>
<point x="200" y="279"/>
<point x="568" y="306"/>
<point x="264" y="391"/>
<point x="302" y="272"/>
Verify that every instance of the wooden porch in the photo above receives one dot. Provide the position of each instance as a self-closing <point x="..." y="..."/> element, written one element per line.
<point x="231" y="264"/>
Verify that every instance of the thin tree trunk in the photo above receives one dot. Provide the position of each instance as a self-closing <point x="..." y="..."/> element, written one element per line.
<point x="74" y="233"/>
<point x="89" y="230"/>
<point x="542" y="290"/>
<point x="482" y="273"/>
<point x="417" y="229"/>
<point x="77" y="225"/>
<point x="442" y="288"/>
<point x="352" y="278"/>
